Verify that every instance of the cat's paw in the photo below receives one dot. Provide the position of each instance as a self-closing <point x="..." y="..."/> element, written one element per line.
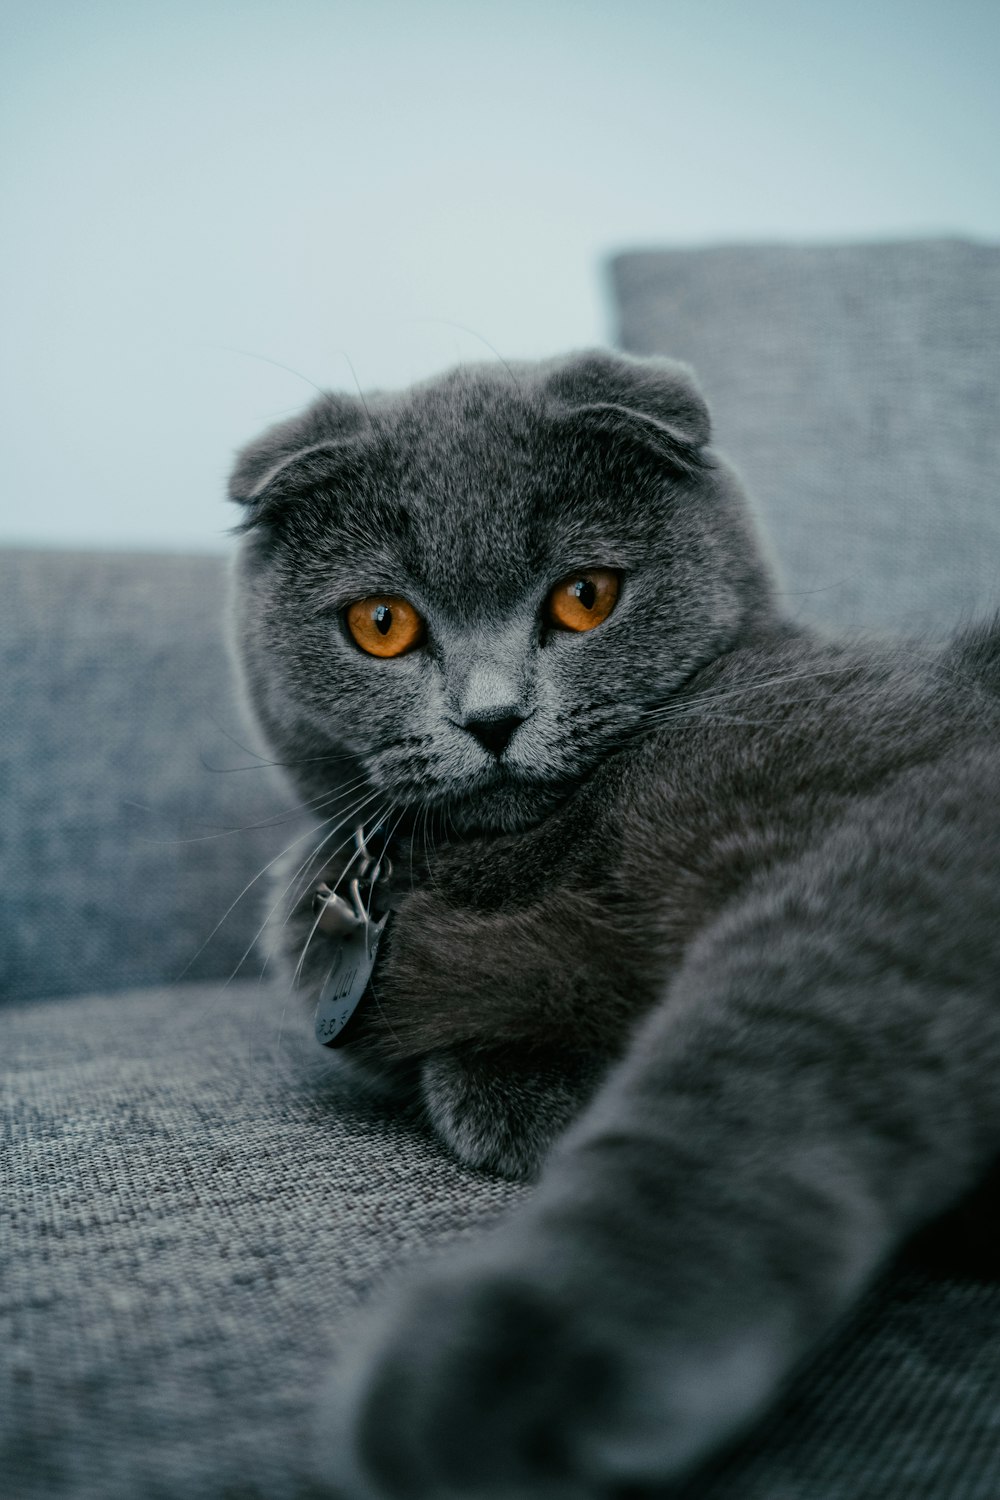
<point x="483" y="1385"/>
<point x="501" y="1112"/>
<point x="526" y="1370"/>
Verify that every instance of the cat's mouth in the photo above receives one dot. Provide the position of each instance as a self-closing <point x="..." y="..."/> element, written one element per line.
<point x="502" y="797"/>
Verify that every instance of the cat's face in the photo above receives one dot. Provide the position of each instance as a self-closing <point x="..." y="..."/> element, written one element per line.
<point x="477" y="589"/>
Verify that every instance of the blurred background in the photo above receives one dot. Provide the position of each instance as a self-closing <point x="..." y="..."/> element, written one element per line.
<point x="212" y="206"/>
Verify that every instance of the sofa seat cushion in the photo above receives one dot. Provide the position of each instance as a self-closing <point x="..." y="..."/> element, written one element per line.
<point x="194" y="1204"/>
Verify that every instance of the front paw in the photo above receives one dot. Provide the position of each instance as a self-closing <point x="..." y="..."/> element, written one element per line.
<point x="480" y="1384"/>
<point x="501" y="1112"/>
<point x="534" y="1368"/>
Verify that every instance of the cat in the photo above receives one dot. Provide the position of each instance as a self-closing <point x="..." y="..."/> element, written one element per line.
<point x="695" y="913"/>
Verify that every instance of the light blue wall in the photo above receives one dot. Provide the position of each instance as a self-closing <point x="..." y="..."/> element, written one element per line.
<point x="191" y="190"/>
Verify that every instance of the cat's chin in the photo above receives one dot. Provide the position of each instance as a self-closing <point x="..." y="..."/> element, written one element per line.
<point x="507" y="806"/>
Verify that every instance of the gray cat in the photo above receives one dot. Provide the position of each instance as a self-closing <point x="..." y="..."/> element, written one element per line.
<point x="695" y="914"/>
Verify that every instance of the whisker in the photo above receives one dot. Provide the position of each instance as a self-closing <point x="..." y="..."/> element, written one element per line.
<point x="319" y="915"/>
<point x="352" y="813"/>
<point x="234" y="741"/>
<point x="248" y="354"/>
<point x="430" y="813"/>
<point x="426" y="843"/>
<point x="361" y="395"/>
<point x="262" y="759"/>
<point x="450" y="323"/>
<point x="233" y="904"/>
<point x="263" y="765"/>
<point x="696" y="721"/>
<point x="300" y="872"/>
<point x="291" y="904"/>
<point x="382" y="815"/>
<point x="371" y="893"/>
<point x="667" y="710"/>
<point x="377" y="817"/>
<point x="309" y="937"/>
<point x="413" y="835"/>
<point x="316" y="803"/>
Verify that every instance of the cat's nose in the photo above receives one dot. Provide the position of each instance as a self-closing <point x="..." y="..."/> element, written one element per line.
<point x="495" y="732"/>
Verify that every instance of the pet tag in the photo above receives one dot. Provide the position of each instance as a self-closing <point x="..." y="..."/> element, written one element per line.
<point x="356" y="944"/>
<point x="348" y="979"/>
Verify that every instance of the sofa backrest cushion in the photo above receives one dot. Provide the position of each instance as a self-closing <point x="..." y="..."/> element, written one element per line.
<point x="116" y="697"/>
<point x="857" y="387"/>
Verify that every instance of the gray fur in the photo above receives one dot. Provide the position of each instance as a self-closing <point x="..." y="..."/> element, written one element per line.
<point x="728" y="903"/>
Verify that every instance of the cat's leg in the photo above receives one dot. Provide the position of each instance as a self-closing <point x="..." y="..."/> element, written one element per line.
<point x="550" y="974"/>
<point x="808" y="1092"/>
<point x="503" y="1110"/>
<point x="511" y="1018"/>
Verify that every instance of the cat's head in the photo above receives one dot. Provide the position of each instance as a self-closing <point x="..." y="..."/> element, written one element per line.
<point x="477" y="588"/>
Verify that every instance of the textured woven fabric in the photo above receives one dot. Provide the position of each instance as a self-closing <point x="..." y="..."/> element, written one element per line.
<point x="115" y="697"/>
<point x="193" y="1207"/>
<point x="857" y="387"/>
<point x="189" y="1212"/>
<point x="904" y="1405"/>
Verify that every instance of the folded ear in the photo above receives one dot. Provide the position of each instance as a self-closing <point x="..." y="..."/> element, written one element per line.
<point x="292" y="454"/>
<point x="654" y="401"/>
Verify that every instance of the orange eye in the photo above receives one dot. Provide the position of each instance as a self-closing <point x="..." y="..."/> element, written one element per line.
<point x="582" y="600"/>
<point x="384" y="625"/>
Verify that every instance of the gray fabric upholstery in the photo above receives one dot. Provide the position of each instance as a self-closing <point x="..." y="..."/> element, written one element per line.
<point x="190" y="1211"/>
<point x="115" y="697"/>
<point x="193" y="1207"/>
<point x="857" y="387"/>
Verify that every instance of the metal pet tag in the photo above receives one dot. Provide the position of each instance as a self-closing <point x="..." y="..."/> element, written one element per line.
<point x="348" y="979"/>
<point x="356" y="938"/>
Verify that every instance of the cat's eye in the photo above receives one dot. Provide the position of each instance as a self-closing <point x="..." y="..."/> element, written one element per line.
<point x="384" y="625"/>
<point x="582" y="600"/>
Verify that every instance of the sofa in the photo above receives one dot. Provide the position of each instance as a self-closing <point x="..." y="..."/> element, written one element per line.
<point x="194" y="1203"/>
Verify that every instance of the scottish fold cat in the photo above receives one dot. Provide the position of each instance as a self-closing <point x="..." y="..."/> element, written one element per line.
<point x="692" y="914"/>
